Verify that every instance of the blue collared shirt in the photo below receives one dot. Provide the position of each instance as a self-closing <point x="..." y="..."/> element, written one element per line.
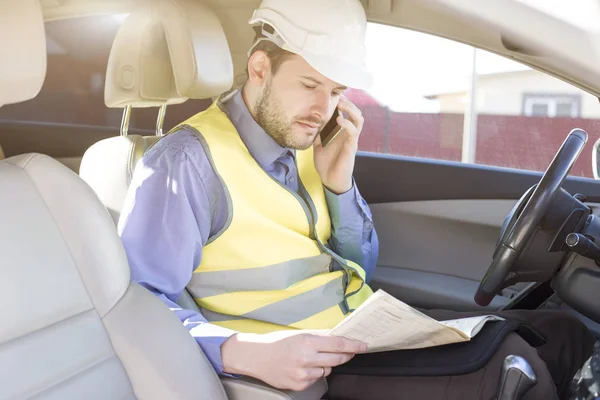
<point x="176" y="202"/>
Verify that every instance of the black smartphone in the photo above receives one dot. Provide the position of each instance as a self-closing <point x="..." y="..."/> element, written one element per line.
<point x="331" y="129"/>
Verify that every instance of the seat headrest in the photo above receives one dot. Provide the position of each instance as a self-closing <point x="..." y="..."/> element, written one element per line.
<point x="22" y="50"/>
<point x="108" y="165"/>
<point x="166" y="52"/>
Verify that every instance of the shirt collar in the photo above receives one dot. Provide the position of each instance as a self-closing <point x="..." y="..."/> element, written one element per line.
<point x="260" y="145"/>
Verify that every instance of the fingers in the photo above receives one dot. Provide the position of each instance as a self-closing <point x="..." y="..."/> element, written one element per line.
<point x="315" y="373"/>
<point x="305" y="377"/>
<point x="354" y="114"/>
<point x="330" y="359"/>
<point x="312" y="374"/>
<point x="351" y="108"/>
<point x="348" y="126"/>
<point x="335" y="344"/>
<point x="308" y="357"/>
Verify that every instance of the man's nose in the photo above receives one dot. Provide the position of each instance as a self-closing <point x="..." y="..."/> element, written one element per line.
<point x="321" y="104"/>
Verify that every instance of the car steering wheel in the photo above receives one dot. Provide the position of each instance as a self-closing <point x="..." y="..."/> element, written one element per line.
<point x="516" y="237"/>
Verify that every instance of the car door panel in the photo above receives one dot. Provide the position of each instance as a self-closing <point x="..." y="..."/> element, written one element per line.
<point x="384" y="178"/>
<point x="431" y="290"/>
<point x="438" y="223"/>
<point x="424" y="248"/>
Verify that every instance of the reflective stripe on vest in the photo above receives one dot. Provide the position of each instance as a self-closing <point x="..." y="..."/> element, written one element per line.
<point x="269" y="269"/>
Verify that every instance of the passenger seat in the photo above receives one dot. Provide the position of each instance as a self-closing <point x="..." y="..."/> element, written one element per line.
<point x="139" y="75"/>
<point x="149" y="68"/>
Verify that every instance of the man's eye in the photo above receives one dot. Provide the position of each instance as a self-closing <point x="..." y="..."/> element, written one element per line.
<point x="308" y="86"/>
<point x="337" y="94"/>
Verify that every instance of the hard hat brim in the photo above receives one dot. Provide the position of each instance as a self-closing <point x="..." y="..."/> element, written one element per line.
<point x="344" y="72"/>
<point x="340" y="71"/>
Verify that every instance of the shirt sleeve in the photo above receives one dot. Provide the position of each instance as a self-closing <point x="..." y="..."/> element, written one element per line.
<point x="165" y="222"/>
<point x="353" y="234"/>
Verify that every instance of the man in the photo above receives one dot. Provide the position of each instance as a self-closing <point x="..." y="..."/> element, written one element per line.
<point x="265" y="227"/>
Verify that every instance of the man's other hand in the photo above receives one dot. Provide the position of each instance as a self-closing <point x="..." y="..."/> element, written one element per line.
<point x="289" y="359"/>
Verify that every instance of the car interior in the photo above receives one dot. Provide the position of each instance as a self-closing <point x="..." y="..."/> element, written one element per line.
<point x="75" y="321"/>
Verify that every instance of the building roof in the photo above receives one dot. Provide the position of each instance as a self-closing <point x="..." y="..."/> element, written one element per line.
<point x="454" y="91"/>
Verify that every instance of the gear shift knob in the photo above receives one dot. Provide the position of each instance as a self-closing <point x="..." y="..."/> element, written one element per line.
<point x="517" y="378"/>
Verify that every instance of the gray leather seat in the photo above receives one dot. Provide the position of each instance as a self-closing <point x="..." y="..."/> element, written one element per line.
<point x="146" y="69"/>
<point x="139" y="75"/>
<point x="108" y="165"/>
<point x="164" y="53"/>
<point x="73" y="326"/>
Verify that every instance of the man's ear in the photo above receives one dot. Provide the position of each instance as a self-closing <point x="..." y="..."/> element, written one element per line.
<point x="259" y="66"/>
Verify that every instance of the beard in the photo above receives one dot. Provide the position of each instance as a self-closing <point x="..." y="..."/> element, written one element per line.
<point x="271" y="117"/>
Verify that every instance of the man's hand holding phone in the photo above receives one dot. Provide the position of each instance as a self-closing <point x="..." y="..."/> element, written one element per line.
<point x="335" y="160"/>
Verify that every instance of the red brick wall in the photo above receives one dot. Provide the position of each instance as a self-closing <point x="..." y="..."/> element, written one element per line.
<point x="507" y="141"/>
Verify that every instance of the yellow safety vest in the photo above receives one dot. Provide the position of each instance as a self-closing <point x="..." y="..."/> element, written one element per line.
<point x="269" y="269"/>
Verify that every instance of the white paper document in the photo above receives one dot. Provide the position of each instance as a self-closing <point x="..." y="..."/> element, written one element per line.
<point x="385" y="323"/>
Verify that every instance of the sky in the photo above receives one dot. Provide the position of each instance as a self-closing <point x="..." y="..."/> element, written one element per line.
<point x="421" y="64"/>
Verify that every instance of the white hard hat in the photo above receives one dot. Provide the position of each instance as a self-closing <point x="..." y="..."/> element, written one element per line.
<point x="328" y="34"/>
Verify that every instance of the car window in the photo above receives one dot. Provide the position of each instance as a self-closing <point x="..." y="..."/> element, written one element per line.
<point x="73" y="91"/>
<point x="420" y="105"/>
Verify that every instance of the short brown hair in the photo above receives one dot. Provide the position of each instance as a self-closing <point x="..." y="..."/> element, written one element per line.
<point x="276" y="54"/>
